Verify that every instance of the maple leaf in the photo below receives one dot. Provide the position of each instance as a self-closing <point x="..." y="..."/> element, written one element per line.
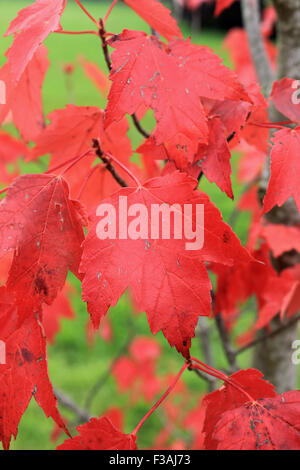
<point x="266" y="424"/>
<point x="31" y="27"/>
<point x="157" y="16"/>
<point x="170" y="81"/>
<point x="25" y="373"/>
<point x="281" y="238"/>
<point x="204" y="72"/>
<point x="285" y="168"/>
<point x="71" y="133"/>
<point x="99" y="434"/>
<point x="24" y="99"/>
<point x="285" y="97"/>
<point x="284" y="162"/>
<point x="229" y="397"/>
<point x="214" y="159"/>
<point x="142" y="73"/>
<point x="45" y="228"/>
<point x="169" y="282"/>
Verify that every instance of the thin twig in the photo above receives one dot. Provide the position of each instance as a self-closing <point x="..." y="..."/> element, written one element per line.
<point x="102" y="34"/>
<point x="267" y="336"/>
<point x="66" y="401"/>
<point x="108" y="164"/>
<point x="139" y="127"/>
<point x="86" y="12"/>
<point x="210" y="380"/>
<point x="229" y="351"/>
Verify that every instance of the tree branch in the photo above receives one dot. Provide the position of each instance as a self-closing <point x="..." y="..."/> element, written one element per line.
<point x="229" y="351"/>
<point x="268" y="335"/>
<point x="210" y="380"/>
<point x="251" y="20"/>
<point x="108" y="164"/>
<point x="203" y="332"/>
<point x="66" y="401"/>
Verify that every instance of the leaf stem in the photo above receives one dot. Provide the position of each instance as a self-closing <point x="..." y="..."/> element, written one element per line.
<point x="211" y="369"/>
<point x="272" y="125"/>
<point x="109" y="11"/>
<point x="86" y="12"/>
<point x="76" y="32"/>
<point x="4" y="190"/>
<point x="121" y="165"/>
<point x="162" y="398"/>
<point x="219" y="375"/>
<point x="61" y="165"/>
<point x="77" y="159"/>
<point x="86" y="180"/>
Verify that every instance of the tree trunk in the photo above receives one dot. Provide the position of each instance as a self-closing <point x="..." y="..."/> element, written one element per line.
<point x="178" y="10"/>
<point x="274" y="357"/>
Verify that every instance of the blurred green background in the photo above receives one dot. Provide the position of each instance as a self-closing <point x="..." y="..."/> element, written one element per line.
<point x="75" y="367"/>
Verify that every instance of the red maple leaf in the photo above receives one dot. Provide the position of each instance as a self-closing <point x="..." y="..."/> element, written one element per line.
<point x="170" y="81"/>
<point x="281" y="238"/>
<point x="214" y="159"/>
<point x="31" y="27"/>
<point x="285" y="168"/>
<point x="24" y="99"/>
<point x="45" y="228"/>
<point x="266" y="424"/>
<point x="25" y="373"/>
<point x="285" y="97"/>
<point x="169" y="282"/>
<point x="71" y="133"/>
<point x="143" y="73"/>
<point x="99" y="434"/>
<point x="229" y="397"/>
<point x="157" y="16"/>
<point x="284" y="162"/>
<point x="204" y="73"/>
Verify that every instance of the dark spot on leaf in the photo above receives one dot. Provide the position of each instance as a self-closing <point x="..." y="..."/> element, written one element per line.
<point x="27" y="355"/>
<point x="226" y="236"/>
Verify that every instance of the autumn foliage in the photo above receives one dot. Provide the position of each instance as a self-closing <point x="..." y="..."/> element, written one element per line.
<point x="48" y="223"/>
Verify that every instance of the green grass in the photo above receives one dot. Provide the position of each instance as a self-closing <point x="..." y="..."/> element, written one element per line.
<point x="73" y="366"/>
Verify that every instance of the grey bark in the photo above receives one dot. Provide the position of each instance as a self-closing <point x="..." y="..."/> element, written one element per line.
<point x="251" y="20"/>
<point x="178" y="10"/>
<point x="273" y="357"/>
